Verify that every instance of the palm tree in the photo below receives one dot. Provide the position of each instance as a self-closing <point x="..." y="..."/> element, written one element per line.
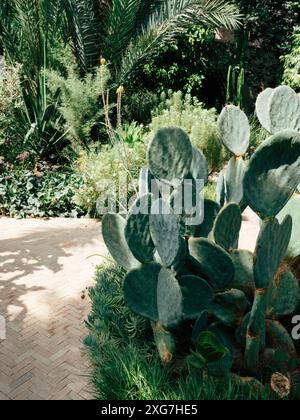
<point x="126" y="32"/>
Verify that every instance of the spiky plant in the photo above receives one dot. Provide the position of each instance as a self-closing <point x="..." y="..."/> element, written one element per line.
<point x="128" y="31"/>
<point x="195" y="286"/>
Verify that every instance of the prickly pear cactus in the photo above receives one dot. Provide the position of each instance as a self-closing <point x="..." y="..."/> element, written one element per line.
<point x="279" y="109"/>
<point x="273" y="174"/>
<point x="235" y="130"/>
<point x="193" y="283"/>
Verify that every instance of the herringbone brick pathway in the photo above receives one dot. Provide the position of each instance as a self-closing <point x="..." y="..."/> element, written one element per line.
<point x="44" y="268"/>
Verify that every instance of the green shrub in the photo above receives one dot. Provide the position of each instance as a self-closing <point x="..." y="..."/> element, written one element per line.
<point x="118" y="163"/>
<point x="189" y="114"/>
<point x="12" y="129"/>
<point x="125" y="364"/>
<point x="291" y="62"/>
<point x="80" y="101"/>
<point x="138" y="106"/>
<point x="38" y="192"/>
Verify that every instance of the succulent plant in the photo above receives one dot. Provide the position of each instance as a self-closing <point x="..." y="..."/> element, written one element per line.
<point x="279" y="109"/>
<point x="194" y="280"/>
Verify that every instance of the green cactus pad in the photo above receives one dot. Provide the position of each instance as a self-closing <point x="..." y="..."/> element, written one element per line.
<point x="273" y="174"/>
<point x="170" y="155"/>
<point x="140" y="290"/>
<point x="186" y="200"/>
<point x="234" y="175"/>
<point x="200" y="325"/>
<point x="284" y="110"/>
<point x="137" y="231"/>
<point x="262" y="108"/>
<point x="293" y="209"/>
<point x="256" y="331"/>
<point x="215" y="264"/>
<point x="165" y="233"/>
<point x="227" y="227"/>
<point x="230" y="306"/>
<point x="199" y="166"/>
<point x="241" y="332"/>
<point x="197" y="296"/>
<point x="147" y="182"/>
<point x="234" y="129"/>
<point x="243" y="279"/>
<point x="211" y="210"/>
<point x="271" y="246"/>
<point x="221" y="188"/>
<point x="180" y="259"/>
<point x="113" y="227"/>
<point x="169" y="299"/>
<point x="278" y="338"/>
<point x="284" y="296"/>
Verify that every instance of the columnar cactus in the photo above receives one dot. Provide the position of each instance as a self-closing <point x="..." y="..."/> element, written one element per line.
<point x="233" y="299"/>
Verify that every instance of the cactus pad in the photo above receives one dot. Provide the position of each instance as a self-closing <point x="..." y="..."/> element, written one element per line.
<point x="170" y="155"/>
<point x="140" y="290"/>
<point x="211" y="210"/>
<point x="293" y="209"/>
<point x="262" y="108"/>
<point x="243" y="263"/>
<point x="230" y="306"/>
<point x="221" y="188"/>
<point x="234" y="176"/>
<point x="234" y="129"/>
<point x="284" y="110"/>
<point x="215" y="264"/>
<point x="113" y="227"/>
<point x="272" y="243"/>
<point x="169" y="299"/>
<point x="199" y="166"/>
<point x="200" y="325"/>
<point x="284" y="296"/>
<point x="273" y="174"/>
<point x="227" y="227"/>
<point x="197" y="296"/>
<point x="137" y="231"/>
<point x="164" y="229"/>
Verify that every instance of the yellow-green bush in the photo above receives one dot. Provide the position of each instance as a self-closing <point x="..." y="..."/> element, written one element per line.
<point x="122" y="162"/>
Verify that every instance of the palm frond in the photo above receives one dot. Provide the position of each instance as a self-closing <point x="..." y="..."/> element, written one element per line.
<point x="82" y="28"/>
<point x="170" y="19"/>
<point x="119" y="24"/>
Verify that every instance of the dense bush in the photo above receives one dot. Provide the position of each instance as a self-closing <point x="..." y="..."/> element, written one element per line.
<point x="38" y="192"/>
<point x="120" y="164"/>
<point x="138" y="105"/>
<point x="125" y="363"/>
<point x="269" y="26"/>
<point x="188" y="113"/>
<point x="291" y="62"/>
<point x="80" y="102"/>
<point x="12" y="131"/>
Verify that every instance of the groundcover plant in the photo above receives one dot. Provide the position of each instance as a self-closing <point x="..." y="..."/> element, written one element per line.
<point x="214" y="307"/>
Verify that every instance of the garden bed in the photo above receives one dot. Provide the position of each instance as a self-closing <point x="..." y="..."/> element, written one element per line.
<point x="125" y="362"/>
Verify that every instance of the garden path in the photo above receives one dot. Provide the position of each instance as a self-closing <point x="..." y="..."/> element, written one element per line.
<point x="45" y="265"/>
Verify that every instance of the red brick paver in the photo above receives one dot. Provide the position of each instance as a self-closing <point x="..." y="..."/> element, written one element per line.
<point x="44" y="267"/>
